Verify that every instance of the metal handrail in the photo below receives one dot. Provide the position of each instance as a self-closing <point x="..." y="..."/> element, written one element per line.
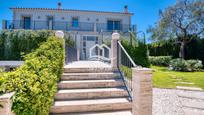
<point x="133" y="63"/>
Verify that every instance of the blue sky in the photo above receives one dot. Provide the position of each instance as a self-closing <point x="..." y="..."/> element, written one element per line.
<point x="145" y="11"/>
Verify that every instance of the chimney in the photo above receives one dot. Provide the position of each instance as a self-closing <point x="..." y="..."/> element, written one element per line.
<point x="59" y="5"/>
<point x="125" y="9"/>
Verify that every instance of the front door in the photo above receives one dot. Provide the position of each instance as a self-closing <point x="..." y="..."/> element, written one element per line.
<point x="87" y="43"/>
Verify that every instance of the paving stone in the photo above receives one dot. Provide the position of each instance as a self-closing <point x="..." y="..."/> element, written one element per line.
<point x="192" y="111"/>
<point x="189" y="88"/>
<point x="192" y="103"/>
<point x="185" y="83"/>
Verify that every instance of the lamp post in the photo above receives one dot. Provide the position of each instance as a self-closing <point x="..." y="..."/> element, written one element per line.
<point x="143" y="35"/>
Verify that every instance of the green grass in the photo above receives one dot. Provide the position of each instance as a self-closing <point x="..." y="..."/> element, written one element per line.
<point x="164" y="78"/>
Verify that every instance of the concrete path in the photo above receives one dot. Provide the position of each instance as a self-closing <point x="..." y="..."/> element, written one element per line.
<point x="177" y="102"/>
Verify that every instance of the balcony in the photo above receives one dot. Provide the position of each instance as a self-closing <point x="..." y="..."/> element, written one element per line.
<point x="66" y="26"/>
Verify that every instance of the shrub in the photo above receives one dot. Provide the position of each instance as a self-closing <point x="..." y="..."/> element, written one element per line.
<point x="15" y="42"/>
<point x="137" y="53"/>
<point x="35" y="82"/>
<point x="185" y="65"/>
<point x="160" y="60"/>
<point x="194" y="65"/>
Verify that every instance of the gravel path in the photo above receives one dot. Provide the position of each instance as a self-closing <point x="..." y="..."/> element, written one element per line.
<point x="177" y="102"/>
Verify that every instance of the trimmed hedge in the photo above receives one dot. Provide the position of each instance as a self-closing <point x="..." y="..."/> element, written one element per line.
<point x="15" y="42"/>
<point x="185" y="65"/>
<point x="160" y="60"/>
<point x="194" y="49"/>
<point x="35" y="82"/>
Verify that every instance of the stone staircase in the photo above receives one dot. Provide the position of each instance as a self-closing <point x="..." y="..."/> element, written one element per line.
<point x="91" y="91"/>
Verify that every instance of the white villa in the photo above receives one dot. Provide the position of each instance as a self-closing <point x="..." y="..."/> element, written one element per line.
<point x="86" y="27"/>
<point x="90" y="87"/>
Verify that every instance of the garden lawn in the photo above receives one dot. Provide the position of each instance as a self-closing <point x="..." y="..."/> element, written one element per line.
<point x="164" y="78"/>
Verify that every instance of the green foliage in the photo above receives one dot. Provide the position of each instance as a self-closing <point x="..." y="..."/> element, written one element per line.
<point x="69" y="42"/>
<point x="185" y="65"/>
<point x="126" y="71"/>
<point x="137" y="53"/>
<point x="164" y="48"/>
<point x="182" y="22"/>
<point x="14" y="43"/>
<point x="195" y="49"/>
<point x="160" y="60"/>
<point x="35" y="82"/>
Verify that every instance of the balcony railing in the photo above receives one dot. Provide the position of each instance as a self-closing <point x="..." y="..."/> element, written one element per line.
<point x="67" y="26"/>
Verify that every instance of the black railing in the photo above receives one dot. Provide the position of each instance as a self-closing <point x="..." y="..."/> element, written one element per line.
<point x="125" y="65"/>
<point x="68" y="26"/>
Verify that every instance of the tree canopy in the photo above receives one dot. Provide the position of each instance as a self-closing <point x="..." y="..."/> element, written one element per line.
<point x="182" y="22"/>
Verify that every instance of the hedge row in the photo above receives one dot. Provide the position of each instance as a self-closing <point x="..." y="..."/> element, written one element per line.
<point x="193" y="50"/>
<point x="35" y="82"/>
<point x="160" y="60"/>
<point x="15" y="42"/>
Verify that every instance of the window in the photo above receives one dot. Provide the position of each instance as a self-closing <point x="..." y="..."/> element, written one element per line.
<point x="113" y="25"/>
<point x="26" y="22"/>
<point x="75" y="22"/>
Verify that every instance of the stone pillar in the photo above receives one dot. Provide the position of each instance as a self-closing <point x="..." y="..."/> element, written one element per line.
<point x="6" y="104"/>
<point x="142" y="91"/>
<point x="4" y="24"/>
<point x="114" y="50"/>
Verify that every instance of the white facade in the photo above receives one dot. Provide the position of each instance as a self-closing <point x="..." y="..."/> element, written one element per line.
<point x="62" y="19"/>
<point x="67" y="15"/>
<point x="87" y="28"/>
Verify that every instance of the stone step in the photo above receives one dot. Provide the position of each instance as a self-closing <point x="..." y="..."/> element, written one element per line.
<point x="80" y="84"/>
<point x="191" y="94"/>
<point x="125" y="112"/>
<point x="88" y="76"/>
<point x="88" y="70"/>
<point x="192" y="103"/>
<point x="92" y="105"/>
<point x="91" y="93"/>
<point x="189" y="88"/>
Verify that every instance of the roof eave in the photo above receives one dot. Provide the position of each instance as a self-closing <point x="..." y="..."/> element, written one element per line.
<point x="13" y="8"/>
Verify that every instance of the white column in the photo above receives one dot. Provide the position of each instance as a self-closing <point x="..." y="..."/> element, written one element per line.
<point x="114" y="50"/>
<point x="6" y="103"/>
<point x="78" y="46"/>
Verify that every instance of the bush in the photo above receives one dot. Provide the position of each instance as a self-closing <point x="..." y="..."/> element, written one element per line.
<point x="35" y="82"/>
<point x="15" y="42"/>
<point x="137" y="53"/>
<point x="185" y="65"/>
<point x="194" y="65"/>
<point x="160" y="60"/>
